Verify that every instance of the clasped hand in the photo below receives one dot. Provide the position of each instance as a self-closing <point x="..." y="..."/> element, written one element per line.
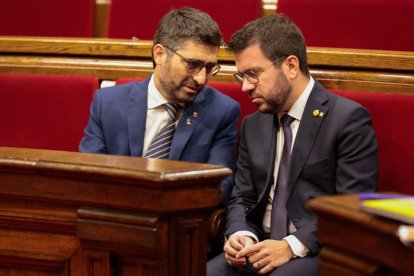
<point x="265" y="256"/>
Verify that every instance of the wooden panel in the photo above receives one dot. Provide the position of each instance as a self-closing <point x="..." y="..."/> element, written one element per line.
<point x="68" y="213"/>
<point x="111" y="59"/>
<point x="358" y="243"/>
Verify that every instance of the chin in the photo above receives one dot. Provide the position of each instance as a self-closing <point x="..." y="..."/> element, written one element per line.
<point x="183" y="97"/>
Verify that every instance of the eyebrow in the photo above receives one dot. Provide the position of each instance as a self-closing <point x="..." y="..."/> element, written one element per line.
<point x="204" y="62"/>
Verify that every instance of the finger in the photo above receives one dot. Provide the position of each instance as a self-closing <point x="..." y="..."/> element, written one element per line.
<point x="237" y="243"/>
<point x="265" y="269"/>
<point x="234" y="261"/>
<point x="257" y="265"/>
<point x="248" y="250"/>
<point x="228" y="248"/>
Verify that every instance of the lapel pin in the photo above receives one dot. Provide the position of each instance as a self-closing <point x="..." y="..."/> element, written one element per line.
<point x="316" y="113"/>
<point x="321" y="114"/>
<point x="195" y="114"/>
<point x="188" y="122"/>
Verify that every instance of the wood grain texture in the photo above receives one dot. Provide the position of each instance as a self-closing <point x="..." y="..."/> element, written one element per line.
<point x="111" y="59"/>
<point x="356" y="242"/>
<point x="68" y="213"/>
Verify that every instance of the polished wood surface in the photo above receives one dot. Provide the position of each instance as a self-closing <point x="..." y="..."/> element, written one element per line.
<point x="110" y="59"/>
<point x="66" y="213"/>
<point x="356" y="242"/>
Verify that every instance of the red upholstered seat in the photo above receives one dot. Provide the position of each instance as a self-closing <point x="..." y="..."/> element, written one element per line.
<point x="139" y="18"/>
<point x="233" y="90"/>
<point x="46" y="112"/>
<point x="64" y="18"/>
<point x="393" y="117"/>
<point x="361" y="24"/>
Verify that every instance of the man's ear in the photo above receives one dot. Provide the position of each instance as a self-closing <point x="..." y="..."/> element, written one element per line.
<point x="159" y="54"/>
<point x="292" y="67"/>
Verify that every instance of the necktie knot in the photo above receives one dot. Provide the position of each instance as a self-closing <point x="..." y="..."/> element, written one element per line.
<point x="287" y="120"/>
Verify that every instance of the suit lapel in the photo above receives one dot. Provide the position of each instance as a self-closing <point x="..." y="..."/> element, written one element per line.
<point x="192" y="115"/>
<point x="136" y="114"/>
<point x="269" y="125"/>
<point x="307" y="132"/>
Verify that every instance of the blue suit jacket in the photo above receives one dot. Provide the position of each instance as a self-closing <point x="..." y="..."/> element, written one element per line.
<point x="206" y="132"/>
<point x="334" y="153"/>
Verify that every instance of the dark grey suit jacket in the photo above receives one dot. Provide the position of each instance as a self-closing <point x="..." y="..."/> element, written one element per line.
<point x="333" y="154"/>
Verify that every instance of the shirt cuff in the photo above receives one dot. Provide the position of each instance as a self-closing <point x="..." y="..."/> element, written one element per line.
<point x="246" y="233"/>
<point x="298" y="248"/>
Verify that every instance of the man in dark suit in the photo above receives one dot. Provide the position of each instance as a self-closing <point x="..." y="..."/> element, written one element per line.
<point x="127" y="119"/>
<point x="302" y="143"/>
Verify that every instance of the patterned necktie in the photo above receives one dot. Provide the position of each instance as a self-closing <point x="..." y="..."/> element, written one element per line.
<point x="278" y="228"/>
<point x="161" y="144"/>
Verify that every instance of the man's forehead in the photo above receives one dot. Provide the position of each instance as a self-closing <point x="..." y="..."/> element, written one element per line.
<point x="250" y="58"/>
<point x="201" y="51"/>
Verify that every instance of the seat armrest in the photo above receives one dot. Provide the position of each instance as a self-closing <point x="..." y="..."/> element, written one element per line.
<point x="216" y="224"/>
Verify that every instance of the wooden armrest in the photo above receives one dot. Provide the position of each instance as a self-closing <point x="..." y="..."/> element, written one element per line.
<point x="216" y="225"/>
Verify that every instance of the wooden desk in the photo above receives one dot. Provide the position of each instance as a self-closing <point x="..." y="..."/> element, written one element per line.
<point x="68" y="213"/>
<point x="358" y="243"/>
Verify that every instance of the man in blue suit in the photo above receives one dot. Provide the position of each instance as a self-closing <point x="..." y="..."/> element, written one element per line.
<point x="125" y="119"/>
<point x="303" y="142"/>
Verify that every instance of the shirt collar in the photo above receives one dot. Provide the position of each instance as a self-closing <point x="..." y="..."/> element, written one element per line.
<point x="296" y="111"/>
<point x="155" y="99"/>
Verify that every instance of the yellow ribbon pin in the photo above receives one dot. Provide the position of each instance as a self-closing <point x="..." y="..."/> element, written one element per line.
<point x="188" y="122"/>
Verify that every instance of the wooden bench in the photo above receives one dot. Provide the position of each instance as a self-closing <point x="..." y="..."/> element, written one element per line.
<point x="111" y="59"/>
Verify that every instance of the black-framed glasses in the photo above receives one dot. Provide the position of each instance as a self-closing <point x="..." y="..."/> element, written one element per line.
<point x="253" y="76"/>
<point x="194" y="66"/>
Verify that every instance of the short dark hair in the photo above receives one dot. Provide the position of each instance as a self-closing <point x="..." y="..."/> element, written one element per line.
<point x="276" y="35"/>
<point x="187" y="24"/>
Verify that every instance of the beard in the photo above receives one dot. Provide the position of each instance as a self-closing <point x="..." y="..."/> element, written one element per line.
<point x="276" y="98"/>
<point x="175" y="90"/>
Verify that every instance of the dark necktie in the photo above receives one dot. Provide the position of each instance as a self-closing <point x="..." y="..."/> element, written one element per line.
<point x="161" y="144"/>
<point x="278" y="227"/>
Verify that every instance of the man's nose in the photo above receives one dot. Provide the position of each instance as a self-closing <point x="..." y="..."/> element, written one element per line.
<point x="247" y="86"/>
<point x="201" y="77"/>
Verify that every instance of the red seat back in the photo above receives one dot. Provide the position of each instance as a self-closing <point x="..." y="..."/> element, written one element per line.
<point x="233" y="90"/>
<point x="393" y="117"/>
<point x="46" y="112"/>
<point x="361" y="24"/>
<point x="139" y="18"/>
<point x="64" y="18"/>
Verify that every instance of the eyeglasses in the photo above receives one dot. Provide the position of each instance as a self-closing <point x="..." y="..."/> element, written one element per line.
<point x="252" y="76"/>
<point x="194" y="66"/>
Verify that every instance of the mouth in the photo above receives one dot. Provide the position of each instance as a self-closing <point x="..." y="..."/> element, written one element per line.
<point x="191" y="89"/>
<point x="254" y="98"/>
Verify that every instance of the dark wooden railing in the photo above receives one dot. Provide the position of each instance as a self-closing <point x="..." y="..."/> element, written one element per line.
<point x="67" y="213"/>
